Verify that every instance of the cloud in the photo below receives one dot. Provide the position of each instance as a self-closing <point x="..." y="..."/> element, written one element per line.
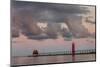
<point x="47" y="11"/>
<point x="90" y="19"/>
<point x="75" y="26"/>
<point x="25" y="16"/>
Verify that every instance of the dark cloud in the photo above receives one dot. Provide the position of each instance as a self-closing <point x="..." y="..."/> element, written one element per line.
<point x="25" y="16"/>
<point x="90" y="19"/>
<point x="75" y="25"/>
<point x="48" y="11"/>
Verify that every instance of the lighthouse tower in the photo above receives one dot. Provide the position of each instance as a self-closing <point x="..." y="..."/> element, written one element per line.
<point x="73" y="51"/>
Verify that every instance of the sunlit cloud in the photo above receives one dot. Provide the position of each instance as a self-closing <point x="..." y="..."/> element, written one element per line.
<point x="45" y="20"/>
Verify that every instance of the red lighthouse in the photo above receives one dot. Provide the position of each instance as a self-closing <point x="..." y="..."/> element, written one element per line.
<point x="73" y="51"/>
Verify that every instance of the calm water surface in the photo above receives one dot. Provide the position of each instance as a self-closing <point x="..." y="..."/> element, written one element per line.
<point x="51" y="59"/>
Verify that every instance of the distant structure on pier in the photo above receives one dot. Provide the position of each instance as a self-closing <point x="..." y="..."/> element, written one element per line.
<point x="35" y="53"/>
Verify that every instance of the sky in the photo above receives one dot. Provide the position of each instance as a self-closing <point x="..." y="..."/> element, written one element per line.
<point x="51" y="27"/>
<point x="26" y="15"/>
<point x="22" y="46"/>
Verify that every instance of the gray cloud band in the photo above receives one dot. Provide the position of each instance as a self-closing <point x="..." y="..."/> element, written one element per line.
<point x="26" y="14"/>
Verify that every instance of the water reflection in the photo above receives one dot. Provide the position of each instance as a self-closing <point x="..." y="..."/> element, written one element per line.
<point x="51" y="59"/>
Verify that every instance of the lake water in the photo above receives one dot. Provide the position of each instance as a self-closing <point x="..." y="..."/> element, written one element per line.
<point x="51" y="59"/>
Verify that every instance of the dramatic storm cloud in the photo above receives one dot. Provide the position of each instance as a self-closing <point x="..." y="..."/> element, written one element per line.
<point x="25" y="16"/>
<point x="48" y="11"/>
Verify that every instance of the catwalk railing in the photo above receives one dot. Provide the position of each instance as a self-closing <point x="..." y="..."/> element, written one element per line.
<point x="90" y="51"/>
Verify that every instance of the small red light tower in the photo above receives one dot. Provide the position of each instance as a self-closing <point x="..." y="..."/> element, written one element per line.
<point x="73" y="51"/>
